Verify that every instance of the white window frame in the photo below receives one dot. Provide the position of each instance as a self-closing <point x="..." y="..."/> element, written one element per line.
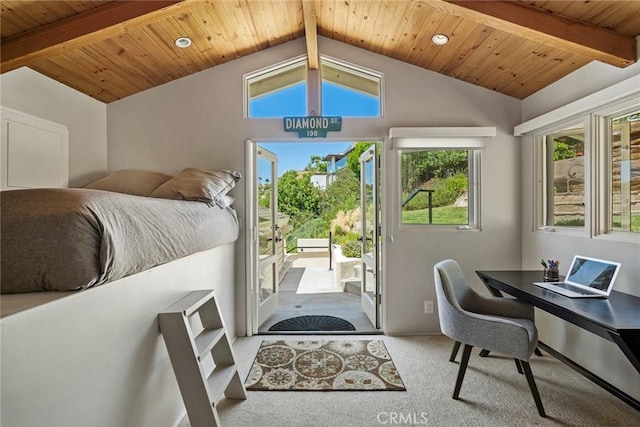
<point x="265" y="72"/>
<point x="595" y="109"/>
<point x="603" y="176"/>
<point x="313" y="81"/>
<point x="473" y="175"/>
<point x="540" y="192"/>
<point x="355" y="69"/>
<point x="463" y="138"/>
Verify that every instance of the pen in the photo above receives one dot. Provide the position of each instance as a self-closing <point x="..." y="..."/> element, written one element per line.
<point x="544" y="264"/>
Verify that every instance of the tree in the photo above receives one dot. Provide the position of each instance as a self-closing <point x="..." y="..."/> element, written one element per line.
<point x="343" y="194"/>
<point x="264" y="195"/>
<point x="297" y="197"/>
<point x="562" y="151"/>
<point x="316" y="164"/>
<point x="422" y="166"/>
<point x="353" y="158"/>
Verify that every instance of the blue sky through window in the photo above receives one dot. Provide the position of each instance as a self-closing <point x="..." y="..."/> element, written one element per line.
<point x="337" y="101"/>
<point x="296" y="155"/>
<point x="291" y="101"/>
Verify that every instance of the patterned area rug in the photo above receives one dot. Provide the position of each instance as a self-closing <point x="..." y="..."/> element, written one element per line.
<point x="323" y="366"/>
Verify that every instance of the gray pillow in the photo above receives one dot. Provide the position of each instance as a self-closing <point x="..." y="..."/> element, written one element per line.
<point x="130" y="181"/>
<point x="199" y="185"/>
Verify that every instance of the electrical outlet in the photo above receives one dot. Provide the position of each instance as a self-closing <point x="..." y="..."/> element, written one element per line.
<point x="428" y="307"/>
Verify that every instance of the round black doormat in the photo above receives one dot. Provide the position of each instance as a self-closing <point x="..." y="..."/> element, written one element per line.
<point x="313" y="323"/>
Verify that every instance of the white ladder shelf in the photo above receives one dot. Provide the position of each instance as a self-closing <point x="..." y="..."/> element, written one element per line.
<point x="201" y="356"/>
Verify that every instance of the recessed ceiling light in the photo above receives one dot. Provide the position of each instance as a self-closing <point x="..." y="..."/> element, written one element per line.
<point x="183" y="42"/>
<point x="440" y="39"/>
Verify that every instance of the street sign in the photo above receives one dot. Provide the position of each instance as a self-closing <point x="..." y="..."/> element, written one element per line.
<point x="312" y="126"/>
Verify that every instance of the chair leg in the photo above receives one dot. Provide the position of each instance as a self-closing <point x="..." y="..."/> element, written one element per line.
<point x="532" y="386"/>
<point x="454" y="351"/>
<point x="463" y="367"/>
<point x="485" y="353"/>
<point x="518" y="366"/>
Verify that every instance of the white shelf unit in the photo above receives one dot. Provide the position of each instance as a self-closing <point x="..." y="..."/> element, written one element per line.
<point x="201" y="356"/>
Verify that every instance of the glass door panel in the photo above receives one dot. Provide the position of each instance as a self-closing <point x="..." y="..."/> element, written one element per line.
<point x="370" y="207"/>
<point x="267" y="233"/>
<point x="266" y="283"/>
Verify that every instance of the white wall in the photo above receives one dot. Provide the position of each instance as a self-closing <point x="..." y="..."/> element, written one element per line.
<point x="30" y="92"/>
<point x="97" y="358"/>
<point x="197" y="121"/>
<point x="417" y="97"/>
<point x="596" y="354"/>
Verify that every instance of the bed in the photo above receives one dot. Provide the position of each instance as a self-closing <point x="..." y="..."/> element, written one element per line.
<point x="84" y="274"/>
<point x="73" y="239"/>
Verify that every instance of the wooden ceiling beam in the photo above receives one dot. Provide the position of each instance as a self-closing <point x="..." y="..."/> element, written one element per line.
<point x="546" y="28"/>
<point x="89" y="27"/>
<point x="311" y="32"/>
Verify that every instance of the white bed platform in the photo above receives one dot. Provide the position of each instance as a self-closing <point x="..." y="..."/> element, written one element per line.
<point x="97" y="357"/>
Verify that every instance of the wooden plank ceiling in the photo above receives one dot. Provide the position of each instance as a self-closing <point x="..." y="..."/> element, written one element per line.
<point x="113" y="49"/>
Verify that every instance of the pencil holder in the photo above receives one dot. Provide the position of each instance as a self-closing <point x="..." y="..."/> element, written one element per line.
<point x="551" y="275"/>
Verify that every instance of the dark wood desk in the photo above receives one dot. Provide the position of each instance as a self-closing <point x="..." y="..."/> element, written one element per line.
<point x="616" y="318"/>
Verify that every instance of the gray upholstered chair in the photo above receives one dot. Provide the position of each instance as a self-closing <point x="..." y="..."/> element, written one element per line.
<point x="495" y="324"/>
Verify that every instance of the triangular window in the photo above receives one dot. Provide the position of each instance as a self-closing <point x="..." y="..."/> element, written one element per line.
<point x="284" y="90"/>
<point x="349" y="91"/>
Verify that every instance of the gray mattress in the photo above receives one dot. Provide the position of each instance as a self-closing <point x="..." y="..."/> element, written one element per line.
<point x="71" y="239"/>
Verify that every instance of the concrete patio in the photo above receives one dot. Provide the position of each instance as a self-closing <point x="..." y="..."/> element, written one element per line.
<point x="309" y="288"/>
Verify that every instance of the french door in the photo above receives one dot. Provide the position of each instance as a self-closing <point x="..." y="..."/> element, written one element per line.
<point x="266" y="236"/>
<point x="370" y="295"/>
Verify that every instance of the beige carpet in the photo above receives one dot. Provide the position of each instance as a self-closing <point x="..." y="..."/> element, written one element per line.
<point x="493" y="394"/>
<point x="318" y="365"/>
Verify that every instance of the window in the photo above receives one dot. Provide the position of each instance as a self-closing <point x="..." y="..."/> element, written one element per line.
<point x="435" y="187"/>
<point x="278" y="92"/>
<point x="624" y="136"/>
<point x="586" y="165"/>
<point x="563" y="177"/>
<point x="287" y="89"/>
<point x="348" y="91"/>
<point x="439" y="175"/>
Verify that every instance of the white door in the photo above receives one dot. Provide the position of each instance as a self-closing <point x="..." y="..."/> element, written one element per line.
<point x="370" y="207"/>
<point x="266" y="236"/>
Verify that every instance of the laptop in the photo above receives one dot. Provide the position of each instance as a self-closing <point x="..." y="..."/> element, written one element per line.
<point x="587" y="278"/>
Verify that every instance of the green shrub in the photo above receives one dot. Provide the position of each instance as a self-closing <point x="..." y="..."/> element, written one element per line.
<point x="446" y="192"/>
<point x="338" y="232"/>
<point x="562" y="151"/>
<point x="419" y="201"/>
<point x="343" y="194"/>
<point x="315" y="228"/>
<point x="344" y="238"/>
<point x="570" y="222"/>
<point x="351" y="249"/>
<point x="449" y="189"/>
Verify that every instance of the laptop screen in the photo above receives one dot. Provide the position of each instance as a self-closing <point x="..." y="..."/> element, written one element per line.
<point x="594" y="273"/>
